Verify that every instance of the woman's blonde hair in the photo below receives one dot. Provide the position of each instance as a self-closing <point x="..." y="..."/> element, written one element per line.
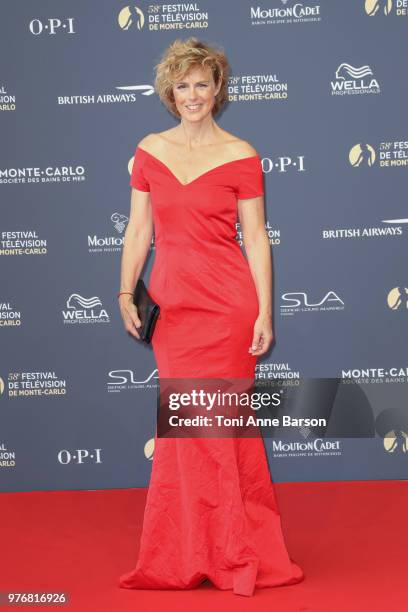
<point x="183" y="55"/>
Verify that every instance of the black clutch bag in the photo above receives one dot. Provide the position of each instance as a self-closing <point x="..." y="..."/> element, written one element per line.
<point x="147" y="310"/>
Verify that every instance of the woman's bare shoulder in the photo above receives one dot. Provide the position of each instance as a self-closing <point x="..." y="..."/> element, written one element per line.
<point x="147" y="140"/>
<point x="244" y="148"/>
<point x="153" y="141"/>
<point x="239" y="146"/>
<point x="156" y="143"/>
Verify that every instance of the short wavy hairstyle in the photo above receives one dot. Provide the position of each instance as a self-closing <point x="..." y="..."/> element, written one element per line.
<point x="183" y="55"/>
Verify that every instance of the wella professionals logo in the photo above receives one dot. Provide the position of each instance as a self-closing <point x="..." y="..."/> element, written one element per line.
<point x="351" y="81"/>
<point x="397" y="298"/>
<point x="84" y="310"/>
<point x="159" y="17"/>
<point x="390" y="154"/>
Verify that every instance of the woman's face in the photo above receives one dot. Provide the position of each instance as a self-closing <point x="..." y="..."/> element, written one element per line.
<point x="194" y="94"/>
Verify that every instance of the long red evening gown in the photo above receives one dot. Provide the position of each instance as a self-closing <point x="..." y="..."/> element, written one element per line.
<point x="211" y="511"/>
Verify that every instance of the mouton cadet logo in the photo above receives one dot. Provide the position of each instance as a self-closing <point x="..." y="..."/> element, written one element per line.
<point x="289" y="13"/>
<point x="107" y="241"/>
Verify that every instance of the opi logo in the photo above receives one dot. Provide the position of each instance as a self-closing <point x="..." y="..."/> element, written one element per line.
<point x="283" y="164"/>
<point x="80" y="456"/>
<point x="52" y="26"/>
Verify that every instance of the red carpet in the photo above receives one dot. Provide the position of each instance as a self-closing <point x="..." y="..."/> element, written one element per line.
<point x="350" y="538"/>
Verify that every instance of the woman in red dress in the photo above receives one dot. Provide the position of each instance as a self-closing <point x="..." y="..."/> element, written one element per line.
<point x="211" y="512"/>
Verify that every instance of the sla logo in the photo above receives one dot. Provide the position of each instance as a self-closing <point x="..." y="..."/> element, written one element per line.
<point x="52" y="26"/>
<point x="125" y="379"/>
<point x="377" y="7"/>
<point x="79" y="456"/>
<point x="362" y="154"/>
<point x="130" y="16"/>
<point x="396" y="440"/>
<point x="299" y="302"/>
<point x="398" y="298"/>
<point x="350" y="80"/>
<point x="84" y="310"/>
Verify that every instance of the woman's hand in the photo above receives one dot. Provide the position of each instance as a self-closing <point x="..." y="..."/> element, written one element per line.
<point x="263" y="335"/>
<point x="129" y="314"/>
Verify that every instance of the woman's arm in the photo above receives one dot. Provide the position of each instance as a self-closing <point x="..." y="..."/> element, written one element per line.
<point x="258" y="251"/>
<point x="136" y="245"/>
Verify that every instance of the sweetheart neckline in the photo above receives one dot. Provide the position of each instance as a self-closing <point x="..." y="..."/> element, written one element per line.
<point x="232" y="161"/>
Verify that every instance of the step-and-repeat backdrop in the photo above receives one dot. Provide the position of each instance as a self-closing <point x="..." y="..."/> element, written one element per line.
<point x="320" y="89"/>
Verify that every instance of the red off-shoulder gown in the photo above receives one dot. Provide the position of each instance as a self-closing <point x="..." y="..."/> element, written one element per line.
<point x="211" y="511"/>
